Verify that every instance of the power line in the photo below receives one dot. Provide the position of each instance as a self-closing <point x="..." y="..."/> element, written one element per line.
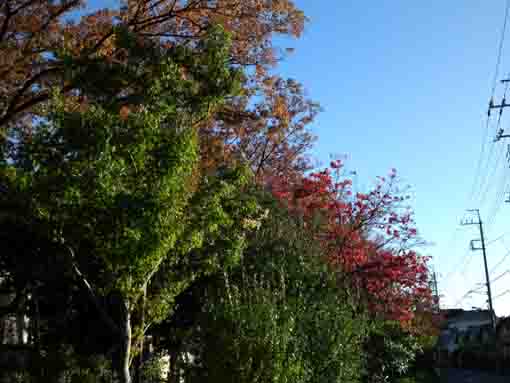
<point x="499" y="131"/>
<point x="480" y="160"/>
<point x="468" y="293"/>
<point x="462" y="263"/>
<point x="486" y="181"/>
<point x="500" y="48"/>
<point x="484" y="190"/>
<point x="484" y="161"/>
<point x="503" y="293"/>
<point x="479" y="176"/>
<point x="491" y="98"/>
<point x="497" y="238"/>
<point x="461" y="267"/>
<point x="500" y="190"/>
<point x="501" y="260"/>
<point x="468" y="261"/>
<point x="500" y="276"/>
<point x="483" y="178"/>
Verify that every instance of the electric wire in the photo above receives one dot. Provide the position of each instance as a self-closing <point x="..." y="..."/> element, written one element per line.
<point x="463" y="261"/>
<point x="500" y="189"/>
<point x="500" y="295"/>
<point x="490" y="173"/>
<point x="498" y="198"/>
<point x="494" y="268"/>
<point x="500" y="276"/>
<point x="493" y="90"/>
<point x="468" y="294"/>
<point x="478" y="177"/>
<point x="500" y="48"/>
<point x="480" y="159"/>
<point x="496" y="239"/>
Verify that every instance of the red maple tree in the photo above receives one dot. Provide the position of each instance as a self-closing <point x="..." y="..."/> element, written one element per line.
<point x="369" y="236"/>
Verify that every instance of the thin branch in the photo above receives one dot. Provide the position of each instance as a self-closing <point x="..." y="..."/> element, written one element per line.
<point x="31" y="102"/>
<point x="28" y="84"/>
<point x="104" y="315"/>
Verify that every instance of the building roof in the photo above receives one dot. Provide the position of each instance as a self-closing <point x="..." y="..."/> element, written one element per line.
<point x="458" y="315"/>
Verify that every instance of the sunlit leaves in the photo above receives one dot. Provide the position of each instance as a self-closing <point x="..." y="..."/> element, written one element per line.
<point x="368" y="235"/>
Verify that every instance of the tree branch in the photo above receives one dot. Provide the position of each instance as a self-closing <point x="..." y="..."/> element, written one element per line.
<point x="104" y="315"/>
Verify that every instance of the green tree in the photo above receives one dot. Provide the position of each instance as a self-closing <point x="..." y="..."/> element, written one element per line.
<point x="390" y="352"/>
<point x="279" y="316"/>
<point x="115" y="184"/>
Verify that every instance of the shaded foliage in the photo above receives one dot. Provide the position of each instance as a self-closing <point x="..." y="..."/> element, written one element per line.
<point x="134" y="147"/>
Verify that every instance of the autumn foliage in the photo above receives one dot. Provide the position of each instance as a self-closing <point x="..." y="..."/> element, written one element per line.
<point x="369" y="236"/>
<point x="42" y="48"/>
<point x="138" y="144"/>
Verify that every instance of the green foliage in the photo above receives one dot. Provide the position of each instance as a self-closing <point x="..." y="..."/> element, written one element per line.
<point x="279" y="316"/>
<point x="152" y="368"/>
<point x="217" y="218"/>
<point x="72" y="368"/>
<point x="390" y="352"/>
<point x="111" y="186"/>
<point x="115" y="187"/>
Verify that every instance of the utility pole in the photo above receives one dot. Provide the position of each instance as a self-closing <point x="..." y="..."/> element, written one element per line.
<point x="503" y="104"/>
<point x="482" y="240"/>
<point x="435" y="291"/>
<point x="501" y="132"/>
<point x="435" y="307"/>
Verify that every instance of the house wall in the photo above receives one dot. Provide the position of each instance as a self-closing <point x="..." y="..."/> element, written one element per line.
<point x="13" y="328"/>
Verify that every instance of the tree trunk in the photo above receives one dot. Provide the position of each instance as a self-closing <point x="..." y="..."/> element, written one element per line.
<point x="139" y="365"/>
<point x="172" y="373"/>
<point x="125" y="349"/>
<point x="36" y="337"/>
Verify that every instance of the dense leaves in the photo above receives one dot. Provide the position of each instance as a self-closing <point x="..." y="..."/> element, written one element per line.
<point x="113" y="188"/>
<point x="137" y="148"/>
<point x="369" y="236"/>
<point x="40" y="51"/>
<point x="278" y="316"/>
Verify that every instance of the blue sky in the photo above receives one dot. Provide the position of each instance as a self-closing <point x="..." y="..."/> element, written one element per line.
<point x="406" y="84"/>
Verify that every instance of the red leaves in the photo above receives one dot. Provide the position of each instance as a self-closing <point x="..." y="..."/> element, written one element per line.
<point x="366" y="235"/>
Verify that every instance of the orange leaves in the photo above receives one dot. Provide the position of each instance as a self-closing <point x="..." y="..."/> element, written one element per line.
<point x="91" y="29"/>
<point x="251" y="22"/>
<point x="280" y="109"/>
<point x="29" y="34"/>
<point x="268" y="130"/>
<point x="265" y="126"/>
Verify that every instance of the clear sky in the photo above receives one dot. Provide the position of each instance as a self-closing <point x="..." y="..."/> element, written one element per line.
<point x="406" y="84"/>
